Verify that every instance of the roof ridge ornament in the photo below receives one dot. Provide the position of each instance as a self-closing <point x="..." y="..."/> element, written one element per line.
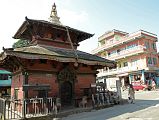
<point x="53" y="16"/>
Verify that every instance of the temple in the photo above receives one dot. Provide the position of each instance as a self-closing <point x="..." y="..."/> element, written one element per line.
<point x="50" y="65"/>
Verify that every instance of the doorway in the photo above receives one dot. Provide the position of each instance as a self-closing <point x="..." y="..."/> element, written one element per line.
<point x="66" y="93"/>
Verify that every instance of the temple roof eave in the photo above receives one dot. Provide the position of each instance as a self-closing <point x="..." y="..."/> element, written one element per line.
<point x="21" y="30"/>
<point x="27" y="22"/>
<point x="55" y="58"/>
<point x="60" y="55"/>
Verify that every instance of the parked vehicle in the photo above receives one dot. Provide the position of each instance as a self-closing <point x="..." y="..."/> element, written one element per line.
<point x="137" y="85"/>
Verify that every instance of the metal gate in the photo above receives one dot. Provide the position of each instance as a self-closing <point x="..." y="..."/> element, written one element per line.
<point x="8" y="110"/>
<point x="2" y="109"/>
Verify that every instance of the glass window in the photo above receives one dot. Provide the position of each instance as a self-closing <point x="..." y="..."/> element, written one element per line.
<point x="43" y="61"/>
<point x="131" y="46"/>
<point x="112" y="52"/>
<point x="149" y="60"/>
<point x="125" y="64"/>
<point x="154" y="46"/>
<point x="154" y="61"/>
<point x="147" y="45"/>
<point x="118" y="50"/>
<point x="134" y="62"/>
<point x="117" y="37"/>
<point x="3" y="76"/>
<point x="122" y="49"/>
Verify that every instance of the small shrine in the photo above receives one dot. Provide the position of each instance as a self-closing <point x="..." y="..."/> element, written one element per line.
<point x="50" y="65"/>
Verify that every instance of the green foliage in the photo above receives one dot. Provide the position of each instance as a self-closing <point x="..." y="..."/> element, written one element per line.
<point x="20" y="43"/>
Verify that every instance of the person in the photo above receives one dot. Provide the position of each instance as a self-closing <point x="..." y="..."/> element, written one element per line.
<point x="93" y="100"/>
<point x="58" y="103"/>
<point x="131" y="94"/>
<point x="153" y="85"/>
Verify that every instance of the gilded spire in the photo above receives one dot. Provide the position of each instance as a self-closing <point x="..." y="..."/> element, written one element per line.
<point x="53" y="16"/>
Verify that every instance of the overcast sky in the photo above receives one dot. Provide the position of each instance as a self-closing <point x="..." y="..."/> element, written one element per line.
<point x="94" y="16"/>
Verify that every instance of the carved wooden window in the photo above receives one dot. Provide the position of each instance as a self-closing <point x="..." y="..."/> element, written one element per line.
<point x="43" y="61"/>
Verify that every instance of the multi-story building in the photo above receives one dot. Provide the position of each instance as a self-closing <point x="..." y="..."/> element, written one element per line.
<point x="5" y="83"/>
<point x="135" y="54"/>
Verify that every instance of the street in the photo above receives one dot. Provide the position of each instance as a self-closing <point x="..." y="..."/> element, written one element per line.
<point x="146" y="107"/>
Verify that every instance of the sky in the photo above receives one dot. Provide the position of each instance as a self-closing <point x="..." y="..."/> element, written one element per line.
<point x="93" y="16"/>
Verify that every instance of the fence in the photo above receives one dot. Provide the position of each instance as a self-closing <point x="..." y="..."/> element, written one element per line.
<point x="105" y="98"/>
<point x="2" y="108"/>
<point x="18" y="109"/>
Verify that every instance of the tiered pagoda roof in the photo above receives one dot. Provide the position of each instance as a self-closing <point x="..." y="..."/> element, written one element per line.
<point x="31" y="28"/>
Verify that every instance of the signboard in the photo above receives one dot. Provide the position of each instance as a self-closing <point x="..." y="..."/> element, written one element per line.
<point x="93" y="84"/>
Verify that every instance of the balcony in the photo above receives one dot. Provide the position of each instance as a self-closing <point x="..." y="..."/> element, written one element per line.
<point x="118" y="71"/>
<point x="129" y="52"/>
<point x="127" y="38"/>
<point x="124" y="71"/>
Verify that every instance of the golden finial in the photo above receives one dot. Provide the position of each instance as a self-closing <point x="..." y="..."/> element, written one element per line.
<point x="53" y="16"/>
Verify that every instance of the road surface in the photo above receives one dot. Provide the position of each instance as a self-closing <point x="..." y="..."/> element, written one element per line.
<point x="146" y="107"/>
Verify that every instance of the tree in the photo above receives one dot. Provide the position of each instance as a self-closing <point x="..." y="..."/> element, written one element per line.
<point x="20" y="43"/>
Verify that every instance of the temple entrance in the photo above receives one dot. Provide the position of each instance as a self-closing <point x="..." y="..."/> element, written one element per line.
<point x="66" y="93"/>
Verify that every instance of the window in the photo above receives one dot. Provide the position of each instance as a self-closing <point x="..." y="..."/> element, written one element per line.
<point x="3" y="76"/>
<point x="125" y="64"/>
<point x="117" y="37"/>
<point x="42" y="94"/>
<point x="84" y="65"/>
<point x="118" y="51"/>
<point x="131" y="46"/>
<point x="112" y="52"/>
<point x="134" y="62"/>
<point x="147" y="45"/>
<point x="102" y="42"/>
<point x="154" y="61"/>
<point x="122" y="49"/>
<point x="43" y="61"/>
<point x="154" y="46"/>
<point x="149" y="60"/>
<point x="103" y="54"/>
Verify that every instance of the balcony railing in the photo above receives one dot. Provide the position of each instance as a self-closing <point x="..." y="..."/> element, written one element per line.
<point x="127" y="52"/>
<point x="127" y="38"/>
<point x="117" y="71"/>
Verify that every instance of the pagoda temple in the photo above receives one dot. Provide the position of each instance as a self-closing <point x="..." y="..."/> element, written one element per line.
<point x="50" y="65"/>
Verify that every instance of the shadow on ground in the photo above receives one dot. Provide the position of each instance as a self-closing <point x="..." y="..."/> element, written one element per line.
<point x="115" y="111"/>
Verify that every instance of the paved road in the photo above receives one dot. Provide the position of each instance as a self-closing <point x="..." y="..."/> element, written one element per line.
<point x="146" y="107"/>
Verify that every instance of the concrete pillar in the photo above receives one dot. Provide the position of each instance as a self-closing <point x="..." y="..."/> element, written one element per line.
<point x="130" y="78"/>
<point x="143" y="76"/>
<point x="118" y="86"/>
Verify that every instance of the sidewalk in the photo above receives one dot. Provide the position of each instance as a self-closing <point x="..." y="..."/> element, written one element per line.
<point x="70" y="111"/>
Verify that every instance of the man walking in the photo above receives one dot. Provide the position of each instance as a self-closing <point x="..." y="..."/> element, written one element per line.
<point x="131" y="94"/>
